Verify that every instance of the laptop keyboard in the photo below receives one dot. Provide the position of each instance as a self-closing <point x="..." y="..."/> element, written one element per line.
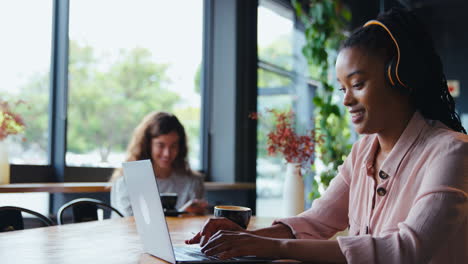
<point x="191" y="253"/>
<point x="194" y="255"/>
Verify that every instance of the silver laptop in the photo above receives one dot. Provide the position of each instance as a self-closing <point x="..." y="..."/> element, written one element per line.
<point x="151" y="222"/>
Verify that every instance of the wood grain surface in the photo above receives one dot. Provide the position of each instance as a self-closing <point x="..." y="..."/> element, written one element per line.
<point x="110" y="241"/>
<point x="77" y="187"/>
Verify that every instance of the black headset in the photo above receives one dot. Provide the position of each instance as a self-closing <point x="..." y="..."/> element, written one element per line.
<point x="392" y="68"/>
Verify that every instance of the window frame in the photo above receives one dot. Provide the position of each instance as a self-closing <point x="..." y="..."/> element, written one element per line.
<point x="220" y="162"/>
<point x="294" y="74"/>
<point x="244" y="134"/>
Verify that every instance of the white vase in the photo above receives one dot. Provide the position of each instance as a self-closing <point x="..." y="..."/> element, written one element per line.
<point x="4" y="164"/>
<point x="293" y="190"/>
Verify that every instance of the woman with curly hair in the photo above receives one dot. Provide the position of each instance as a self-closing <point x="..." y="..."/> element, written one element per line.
<point x="161" y="138"/>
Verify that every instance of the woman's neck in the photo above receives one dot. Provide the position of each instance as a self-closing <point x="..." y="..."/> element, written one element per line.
<point x="389" y="137"/>
<point x="162" y="173"/>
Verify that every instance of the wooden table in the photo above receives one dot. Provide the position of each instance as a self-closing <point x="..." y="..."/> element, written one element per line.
<point x="78" y="187"/>
<point x="110" y="241"/>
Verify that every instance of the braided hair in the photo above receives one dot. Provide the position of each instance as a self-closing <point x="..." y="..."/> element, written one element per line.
<point x="420" y="68"/>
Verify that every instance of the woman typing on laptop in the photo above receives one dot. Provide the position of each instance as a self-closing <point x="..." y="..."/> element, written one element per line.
<point x="161" y="138"/>
<point x="402" y="191"/>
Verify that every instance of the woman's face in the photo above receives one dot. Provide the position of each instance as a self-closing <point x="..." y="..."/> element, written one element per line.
<point x="371" y="101"/>
<point x="164" y="150"/>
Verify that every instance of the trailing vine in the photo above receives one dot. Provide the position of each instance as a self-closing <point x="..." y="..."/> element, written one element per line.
<point x="325" y="23"/>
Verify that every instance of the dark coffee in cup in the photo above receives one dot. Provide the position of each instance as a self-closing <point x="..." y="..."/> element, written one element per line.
<point x="238" y="214"/>
<point x="168" y="201"/>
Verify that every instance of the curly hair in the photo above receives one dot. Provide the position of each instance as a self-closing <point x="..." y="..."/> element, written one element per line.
<point x="154" y="125"/>
<point x="420" y="68"/>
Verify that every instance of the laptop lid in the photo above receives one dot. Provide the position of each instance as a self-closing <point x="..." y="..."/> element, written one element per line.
<point x="147" y="209"/>
<point x="151" y="223"/>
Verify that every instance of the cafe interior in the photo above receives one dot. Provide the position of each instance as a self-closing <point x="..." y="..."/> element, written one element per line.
<point x="81" y="75"/>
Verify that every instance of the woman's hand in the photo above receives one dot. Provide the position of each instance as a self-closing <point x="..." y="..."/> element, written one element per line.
<point x="230" y="244"/>
<point x="195" y="206"/>
<point x="212" y="226"/>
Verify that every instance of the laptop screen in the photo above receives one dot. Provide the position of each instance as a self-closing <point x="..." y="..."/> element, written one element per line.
<point x="147" y="209"/>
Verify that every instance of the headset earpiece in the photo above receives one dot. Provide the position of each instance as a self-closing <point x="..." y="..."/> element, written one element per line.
<point x="390" y="76"/>
<point x="389" y="71"/>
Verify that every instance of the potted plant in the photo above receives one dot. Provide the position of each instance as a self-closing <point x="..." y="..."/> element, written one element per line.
<point x="297" y="150"/>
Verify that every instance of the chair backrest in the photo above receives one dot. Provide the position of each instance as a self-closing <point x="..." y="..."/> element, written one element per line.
<point x="84" y="209"/>
<point x="11" y="218"/>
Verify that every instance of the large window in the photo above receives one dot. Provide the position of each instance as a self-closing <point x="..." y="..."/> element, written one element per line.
<point x="25" y="54"/>
<point x="282" y="85"/>
<point x="127" y="59"/>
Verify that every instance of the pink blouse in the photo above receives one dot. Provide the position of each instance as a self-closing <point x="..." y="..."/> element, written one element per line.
<point x="421" y="205"/>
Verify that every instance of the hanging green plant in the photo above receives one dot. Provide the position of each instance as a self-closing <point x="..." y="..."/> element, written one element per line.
<point x="325" y="23"/>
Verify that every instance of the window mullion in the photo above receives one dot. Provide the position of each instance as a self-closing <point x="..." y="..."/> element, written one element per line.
<point x="58" y="90"/>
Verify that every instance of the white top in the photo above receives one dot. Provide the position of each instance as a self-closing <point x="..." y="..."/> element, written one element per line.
<point x="187" y="187"/>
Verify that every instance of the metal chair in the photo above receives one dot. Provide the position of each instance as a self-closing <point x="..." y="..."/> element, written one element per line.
<point x="84" y="210"/>
<point x="11" y="218"/>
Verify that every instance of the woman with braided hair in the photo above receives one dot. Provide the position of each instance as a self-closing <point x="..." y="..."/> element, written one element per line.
<point x="403" y="190"/>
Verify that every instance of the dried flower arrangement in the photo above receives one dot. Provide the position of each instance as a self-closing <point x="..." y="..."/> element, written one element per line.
<point x="11" y="123"/>
<point x="284" y="139"/>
